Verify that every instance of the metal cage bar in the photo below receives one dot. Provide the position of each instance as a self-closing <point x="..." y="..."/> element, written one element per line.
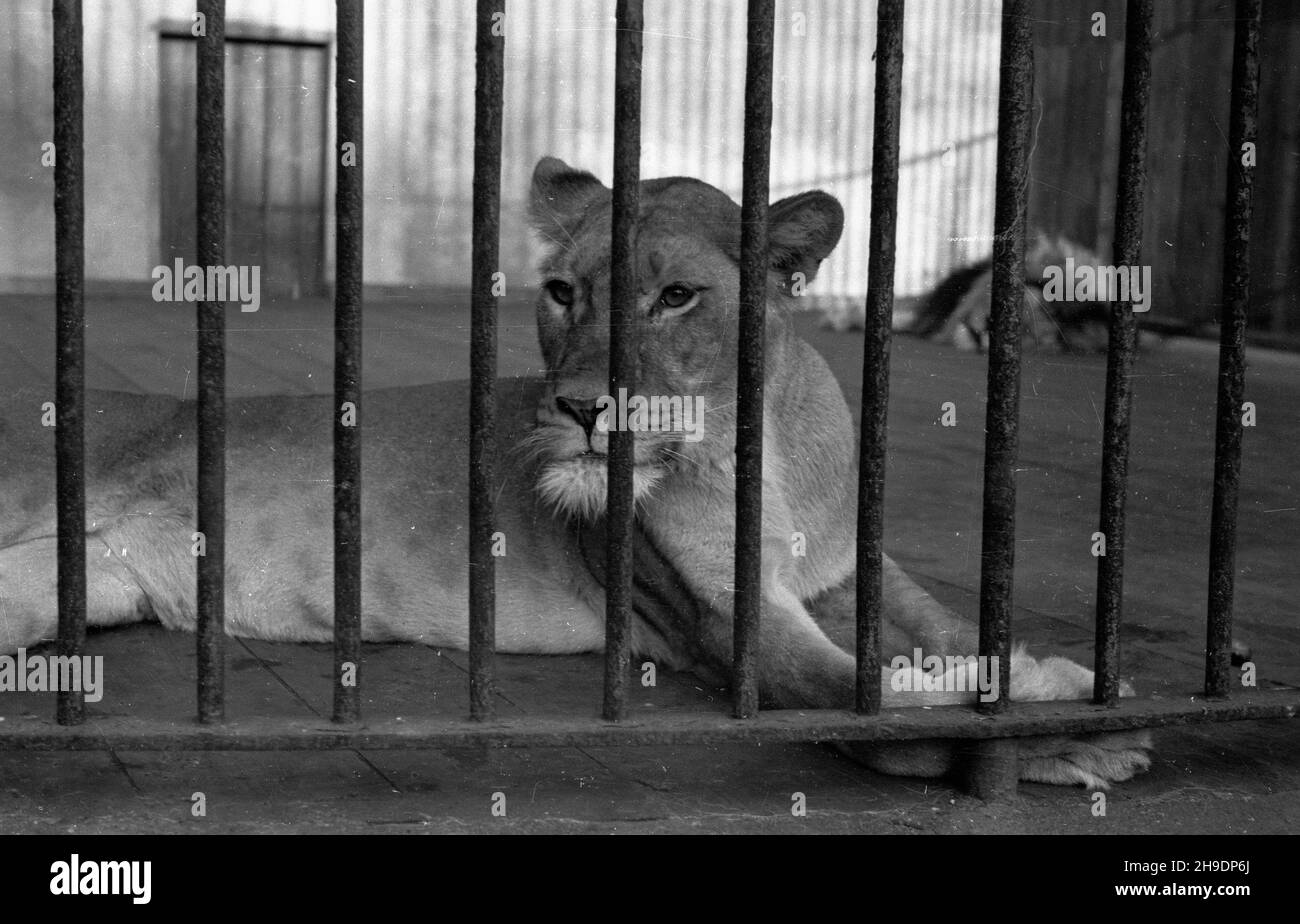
<point x="622" y="352"/>
<point x="347" y="363"/>
<point x="1121" y="350"/>
<point x="259" y="733"/>
<point x="1242" y="130"/>
<point x="70" y="348"/>
<point x="210" y="486"/>
<point x="749" y="371"/>
<point x="875" y="350"/>
<point x="1003" y="412"/>
<point x="489" y="55"/>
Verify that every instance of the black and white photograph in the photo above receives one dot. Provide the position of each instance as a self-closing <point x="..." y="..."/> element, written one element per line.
<point x="650" y="417"/>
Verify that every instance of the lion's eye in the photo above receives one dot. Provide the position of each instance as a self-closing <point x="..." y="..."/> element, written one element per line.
<point x="561" y="291"/>
<point x="676" y="296"/>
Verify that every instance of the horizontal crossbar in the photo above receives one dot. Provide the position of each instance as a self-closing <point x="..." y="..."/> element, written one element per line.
<point x="669" y="728"/>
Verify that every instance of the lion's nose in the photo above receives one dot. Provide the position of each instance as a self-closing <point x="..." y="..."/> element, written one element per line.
<point x="583" y="410"/>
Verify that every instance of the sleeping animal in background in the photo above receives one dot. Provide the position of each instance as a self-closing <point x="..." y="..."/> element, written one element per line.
<point x="956" y="311"/>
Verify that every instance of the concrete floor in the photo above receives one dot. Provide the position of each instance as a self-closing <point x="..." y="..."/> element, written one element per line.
<point x="1233" y="778"/>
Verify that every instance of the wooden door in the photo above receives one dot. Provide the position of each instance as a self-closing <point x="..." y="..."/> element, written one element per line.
<point x="276" y="101"/>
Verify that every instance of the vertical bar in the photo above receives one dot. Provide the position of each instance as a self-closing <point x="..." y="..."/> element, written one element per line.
<point x="749" y="371"/>
<point x="1002" y="423"/>
<point x="622" y="350"/>
<point x="484" y="262"/>
<point x="70" y="351"/>
<point x="875" y="348"/>
<point x="1123" y="343"/>
<point x="1232" y="348"/>
<point x="347" y="363"/>
<point x="210" y="107"/>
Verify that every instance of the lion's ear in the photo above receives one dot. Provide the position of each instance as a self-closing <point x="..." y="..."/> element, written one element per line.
<point x="559" y="197"/>
<point x="802" y="231"/>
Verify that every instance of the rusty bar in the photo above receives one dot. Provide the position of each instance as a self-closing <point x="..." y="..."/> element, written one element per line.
<point x="749" y="370"/>
<point x="1242" y="125"/>
<point x="1122" y="347"/>
<point x="991" y="769"/>
<point x="875" y="349"/>
<point x="210" y="107"/>
<point x="997" y="559"/>
<point x="347" y="363"/>
<point x="70" y="348"/>
<point x="484" y="264"/>
<point x="622" y="351"/>
<point x="259" y="733"/>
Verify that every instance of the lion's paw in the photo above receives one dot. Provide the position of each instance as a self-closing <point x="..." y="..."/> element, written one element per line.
<point x="1034" y="680"/>
<point x="1094" y="761"/>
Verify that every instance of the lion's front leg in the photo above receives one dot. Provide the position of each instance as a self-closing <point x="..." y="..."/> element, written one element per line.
<point x="685" y="617"/>
<point x="800" y="667"/>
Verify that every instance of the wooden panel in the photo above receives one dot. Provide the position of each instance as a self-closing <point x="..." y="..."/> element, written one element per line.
<point x="275" y="147"/>
<point x="1069" y="193"/>
<point x="176" y="150"/>
<point x="1202" y="60"/>
<point x="1275" y="249"/>
<point x="245" y="170"/>
<point x="1078" y="87"/>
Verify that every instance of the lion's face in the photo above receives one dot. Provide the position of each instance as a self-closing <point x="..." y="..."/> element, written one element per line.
<point x="683" y="406"/>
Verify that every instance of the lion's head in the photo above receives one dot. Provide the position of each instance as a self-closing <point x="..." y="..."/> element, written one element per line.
<point x="688" y="251"/>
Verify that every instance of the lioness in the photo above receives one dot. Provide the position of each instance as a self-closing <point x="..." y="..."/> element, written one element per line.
<point x="140" y="513"/>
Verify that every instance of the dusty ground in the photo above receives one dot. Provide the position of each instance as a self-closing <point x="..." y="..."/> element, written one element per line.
<point x="1213" y="779"/>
